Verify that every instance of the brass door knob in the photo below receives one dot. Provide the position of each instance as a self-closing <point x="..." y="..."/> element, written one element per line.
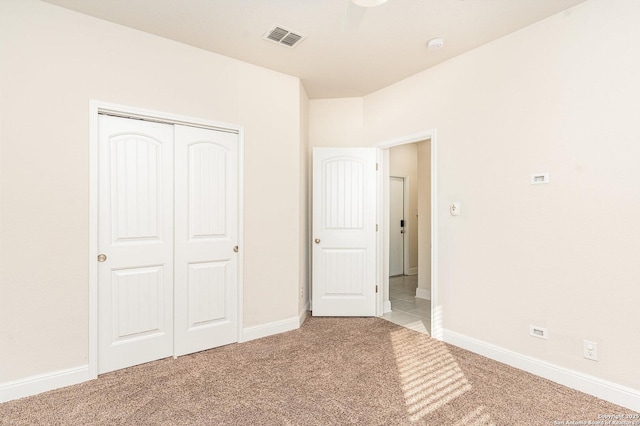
<point x="317" y="240"/>
<point x="102" y="257"/>
<point x="235" y="249"/>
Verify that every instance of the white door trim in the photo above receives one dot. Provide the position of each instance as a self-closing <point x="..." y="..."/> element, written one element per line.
<point x="96" y="107"/>
<point x="381" y="268"/>
<point x="431" y="134"/>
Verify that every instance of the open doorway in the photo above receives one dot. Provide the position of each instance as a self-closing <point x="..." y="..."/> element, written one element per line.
<point x="409" y="235"/>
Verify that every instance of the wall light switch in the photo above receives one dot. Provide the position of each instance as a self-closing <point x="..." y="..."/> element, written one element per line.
<point x="454" y="209"/>
<point x="539" y="178"/>
<point x="540" y="332"/>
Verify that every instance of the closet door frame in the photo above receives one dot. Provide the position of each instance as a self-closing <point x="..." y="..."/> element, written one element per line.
<point x="98" y="107"/>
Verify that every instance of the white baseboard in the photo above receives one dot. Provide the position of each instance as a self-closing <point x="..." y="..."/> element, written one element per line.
<point x="412" y="271"/>
<point x="421" y="293"/>
<point x="603" y="389"/>
<point x="43" y="382"/>
<point x="386" y="307"/>
<point x="269" y="329"/>
<point x="303" y="314"/>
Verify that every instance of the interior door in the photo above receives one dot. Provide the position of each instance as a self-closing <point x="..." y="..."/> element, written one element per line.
<point x="344" y="232"/>
<point x="206" y="233"/>
<point x="396" y="226"/>
<point x="135" y="240"/>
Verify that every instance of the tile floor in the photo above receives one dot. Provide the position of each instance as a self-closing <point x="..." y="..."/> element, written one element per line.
<point x="407" y="310"/>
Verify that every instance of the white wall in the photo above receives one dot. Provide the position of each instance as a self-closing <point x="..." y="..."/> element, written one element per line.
<point x="336" y="122"/>
<point x="403" y="162"/>
<point x="53" y="62"/>
<point x="560" y="96"/>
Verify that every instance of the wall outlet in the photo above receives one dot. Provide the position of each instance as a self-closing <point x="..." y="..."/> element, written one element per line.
<point x="590" y="350"/>
<point x="540" y="332"/>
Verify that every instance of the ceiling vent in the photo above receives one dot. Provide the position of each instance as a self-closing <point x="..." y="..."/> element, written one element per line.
<point x="283" y="36"/>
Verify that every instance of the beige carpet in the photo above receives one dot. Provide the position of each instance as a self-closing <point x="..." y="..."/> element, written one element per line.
<point x="364" y="371"/>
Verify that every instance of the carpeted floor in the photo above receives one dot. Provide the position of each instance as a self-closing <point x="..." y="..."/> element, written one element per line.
<point x="364" y="371"/>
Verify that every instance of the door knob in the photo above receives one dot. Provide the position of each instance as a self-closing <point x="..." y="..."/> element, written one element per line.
<point x="102" y="257"/>
<point x="317" y="240"/>
<point x="235" y="249"/>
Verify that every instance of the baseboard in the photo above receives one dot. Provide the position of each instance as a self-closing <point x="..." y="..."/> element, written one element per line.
<point x="421" y="293"/>
<point x="269" y="329"/>
<point x="603" y="389"/>
<point x="43" y="382"/>
<point x="386" y="307"/>
<point x="412" y="271"/>
<point x="303" y="315"/>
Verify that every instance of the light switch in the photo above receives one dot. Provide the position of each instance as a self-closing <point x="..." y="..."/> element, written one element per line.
<point x="454" y="209"/>
<point x="539" y="178"/>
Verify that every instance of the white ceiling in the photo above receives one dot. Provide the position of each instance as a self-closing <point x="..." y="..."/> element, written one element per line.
<point x="349" y="51"/>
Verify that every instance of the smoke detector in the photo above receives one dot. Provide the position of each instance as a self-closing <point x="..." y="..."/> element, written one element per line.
<point x="435" y="43"/>
<point x="283" y="36"/>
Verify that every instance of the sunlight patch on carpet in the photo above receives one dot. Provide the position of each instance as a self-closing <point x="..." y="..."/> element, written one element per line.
<point x="478" y="417"/>
<point x="429" y="375"/>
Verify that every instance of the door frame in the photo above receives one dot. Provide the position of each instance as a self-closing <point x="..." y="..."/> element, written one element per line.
<point x="430" y="134"/>
<point x="97" y="107"/>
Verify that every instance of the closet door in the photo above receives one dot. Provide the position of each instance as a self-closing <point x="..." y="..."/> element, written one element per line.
<point x="206" y="233"/>
<point x="135" y="240"/>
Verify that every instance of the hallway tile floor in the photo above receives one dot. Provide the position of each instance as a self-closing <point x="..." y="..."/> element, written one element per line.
<point x="407" y="310"/>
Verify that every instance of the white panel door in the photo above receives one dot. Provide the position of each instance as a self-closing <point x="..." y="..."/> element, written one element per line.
<point x="344" y="232"/>
<point x="396" y="226"/>
<point x="135" y="234"/>
<point x="206" y="232"/>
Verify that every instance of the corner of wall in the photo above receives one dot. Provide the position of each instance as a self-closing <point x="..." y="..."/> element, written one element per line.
<point x="304" y="224"/>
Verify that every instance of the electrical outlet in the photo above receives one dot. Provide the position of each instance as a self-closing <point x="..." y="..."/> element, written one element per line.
<point x="590" y="350"/>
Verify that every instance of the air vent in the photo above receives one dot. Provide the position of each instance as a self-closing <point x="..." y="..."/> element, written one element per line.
<point x="283" y="36"/>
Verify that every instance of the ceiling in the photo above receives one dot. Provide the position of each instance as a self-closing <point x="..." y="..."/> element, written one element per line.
<point x="348" y="50"/>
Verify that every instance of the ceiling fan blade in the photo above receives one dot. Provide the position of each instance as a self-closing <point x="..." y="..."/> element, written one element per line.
<point x="352" y="17"/>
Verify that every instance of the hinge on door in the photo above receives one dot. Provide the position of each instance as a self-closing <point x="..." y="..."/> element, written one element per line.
<point x="376" y="227"/>
<point x="376" y="289"/>
<point x="376" y="167"/>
